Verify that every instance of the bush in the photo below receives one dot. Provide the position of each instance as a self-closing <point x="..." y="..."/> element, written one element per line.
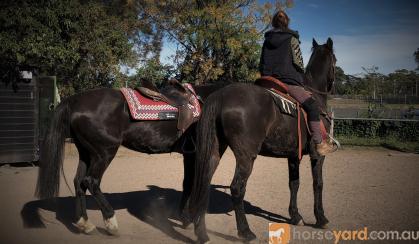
<point x="400" y="135"/>
<point x="402" y="130"/>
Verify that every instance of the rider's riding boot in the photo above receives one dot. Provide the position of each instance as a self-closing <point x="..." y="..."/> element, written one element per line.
<point x="325" y="147"/>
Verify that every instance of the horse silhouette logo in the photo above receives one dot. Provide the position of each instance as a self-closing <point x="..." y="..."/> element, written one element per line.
<point x="279" y="233"/>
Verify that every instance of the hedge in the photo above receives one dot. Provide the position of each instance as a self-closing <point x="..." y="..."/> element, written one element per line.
<point x="403" y="130"/>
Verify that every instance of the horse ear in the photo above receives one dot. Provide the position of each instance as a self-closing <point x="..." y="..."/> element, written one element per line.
<point x="315" y="44"/>
<point x="329" y="43"/>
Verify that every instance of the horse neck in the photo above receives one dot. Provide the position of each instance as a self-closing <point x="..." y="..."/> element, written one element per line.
<point x="317" y="79"/>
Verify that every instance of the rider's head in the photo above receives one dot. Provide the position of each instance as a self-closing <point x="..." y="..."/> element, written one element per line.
<point x="280" y="20"/>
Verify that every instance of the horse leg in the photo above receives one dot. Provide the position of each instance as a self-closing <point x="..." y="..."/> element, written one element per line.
<point x="294" y="184"/>
<point x="92" y="181"/>
<point x="317" y="172"/>
<point x="244" y="166"/>
<point x="83" y="223"/>
<point x="189" y="171"/>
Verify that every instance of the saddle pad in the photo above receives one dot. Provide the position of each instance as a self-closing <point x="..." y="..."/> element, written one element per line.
<point x="144" y="108"/>
<point x="194" y="104"/>
<point x="285" y="105"/>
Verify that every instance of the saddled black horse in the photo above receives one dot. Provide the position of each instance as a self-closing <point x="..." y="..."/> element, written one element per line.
<point x="99" y="123"/>
<point x="246" y="118"/>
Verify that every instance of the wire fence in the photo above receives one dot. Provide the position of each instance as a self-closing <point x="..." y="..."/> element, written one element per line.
<point x="380" y="99"/>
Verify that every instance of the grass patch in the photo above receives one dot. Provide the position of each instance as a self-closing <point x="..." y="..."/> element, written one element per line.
<point x="390" y="142"/>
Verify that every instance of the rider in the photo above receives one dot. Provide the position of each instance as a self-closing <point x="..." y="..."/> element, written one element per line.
<point x="281" y="58"/>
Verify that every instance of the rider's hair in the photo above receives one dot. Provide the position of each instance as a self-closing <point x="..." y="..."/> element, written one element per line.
<point x="280" y="20"/>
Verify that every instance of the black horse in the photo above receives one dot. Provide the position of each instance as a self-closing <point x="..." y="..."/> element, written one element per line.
<point x="246" y="118"/>
<point x="99" y="122"/>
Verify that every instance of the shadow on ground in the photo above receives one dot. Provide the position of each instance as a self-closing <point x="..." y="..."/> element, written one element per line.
<point x="155" y="206"/>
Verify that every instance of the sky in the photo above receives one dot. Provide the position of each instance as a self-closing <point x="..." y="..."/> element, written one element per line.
<point x="382" y="33"/>
<point x="366" y="33"/>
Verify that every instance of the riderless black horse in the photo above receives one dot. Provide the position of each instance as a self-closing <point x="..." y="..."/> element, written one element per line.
<point x="246" y="118"/>
<point x="99" y="123"/>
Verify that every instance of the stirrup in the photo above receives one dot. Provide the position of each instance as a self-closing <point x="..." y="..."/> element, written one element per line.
<point x="334" y="141"/>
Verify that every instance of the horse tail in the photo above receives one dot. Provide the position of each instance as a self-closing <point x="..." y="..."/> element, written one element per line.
<point x="206" y="135"/>
<point x="52" y="153"/>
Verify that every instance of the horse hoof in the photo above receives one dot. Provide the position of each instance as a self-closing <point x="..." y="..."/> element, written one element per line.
<point x="111" y="225"/>
<point x="85" y="226"/>
<point x="323" y="226"/>
<point x="207" y="241"/>
<point x="300" y="223"/>
<point x="202" y="242"/>
<point x="186" y="223"/>
<point x="186" y="226"/>
<point x="322" y="223"/>
<point x="247" y="236"/>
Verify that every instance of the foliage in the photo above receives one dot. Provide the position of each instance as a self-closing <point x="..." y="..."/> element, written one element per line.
<point x="83" y="43"/>
<point x="216" y="39"/>
<point x="374" y="84"/>
<point x="402" y="130"/>
<point x="388" y="142"/>
<point x="153" y="71"/>
<point x="416" y="55"/>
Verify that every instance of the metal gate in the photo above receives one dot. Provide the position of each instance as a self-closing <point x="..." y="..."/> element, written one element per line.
<point x="24" y="116"/>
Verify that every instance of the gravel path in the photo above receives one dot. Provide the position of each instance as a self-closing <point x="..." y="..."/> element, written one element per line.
<point x="363" y="187"/>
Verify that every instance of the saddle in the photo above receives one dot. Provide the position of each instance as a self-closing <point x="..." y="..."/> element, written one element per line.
<point x="173" y="98"/>
<point x="279" y="88"/>
<point x="174" y="94"/>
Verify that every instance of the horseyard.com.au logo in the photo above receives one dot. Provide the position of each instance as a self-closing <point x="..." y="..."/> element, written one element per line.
<point x="280" y="233"/>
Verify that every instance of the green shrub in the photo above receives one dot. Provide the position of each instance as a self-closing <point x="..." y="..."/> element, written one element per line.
<point x="399" y="135"/>
<point x="402" y="130"/>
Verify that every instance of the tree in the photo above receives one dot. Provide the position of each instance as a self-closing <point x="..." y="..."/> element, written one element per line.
<point x="216" y="39"/>
<point x="341" y="82"/>
<point x="416" y="55"/>
<point x="83" y="43"/>
<point x="371" y="84"/>
<point x="153" y="71"/>
<point x="403" y="82"/>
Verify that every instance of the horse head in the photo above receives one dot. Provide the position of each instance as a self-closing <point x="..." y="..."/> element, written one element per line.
<point x="321" y="68"/>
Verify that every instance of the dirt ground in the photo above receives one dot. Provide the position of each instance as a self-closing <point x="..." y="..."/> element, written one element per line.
<point x="363" y="187"/>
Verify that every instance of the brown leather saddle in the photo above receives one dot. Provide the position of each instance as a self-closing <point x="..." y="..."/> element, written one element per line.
<point x="174" y="94"/>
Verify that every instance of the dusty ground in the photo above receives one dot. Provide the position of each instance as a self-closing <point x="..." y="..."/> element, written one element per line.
<point x="371" y="187"/>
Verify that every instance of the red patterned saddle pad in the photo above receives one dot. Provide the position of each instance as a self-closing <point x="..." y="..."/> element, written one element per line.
<point x="144" y="108"/>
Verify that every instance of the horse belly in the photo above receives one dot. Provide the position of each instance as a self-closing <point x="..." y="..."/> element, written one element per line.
<point x="282" y="139"/>
<point x="151" y="136"/>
